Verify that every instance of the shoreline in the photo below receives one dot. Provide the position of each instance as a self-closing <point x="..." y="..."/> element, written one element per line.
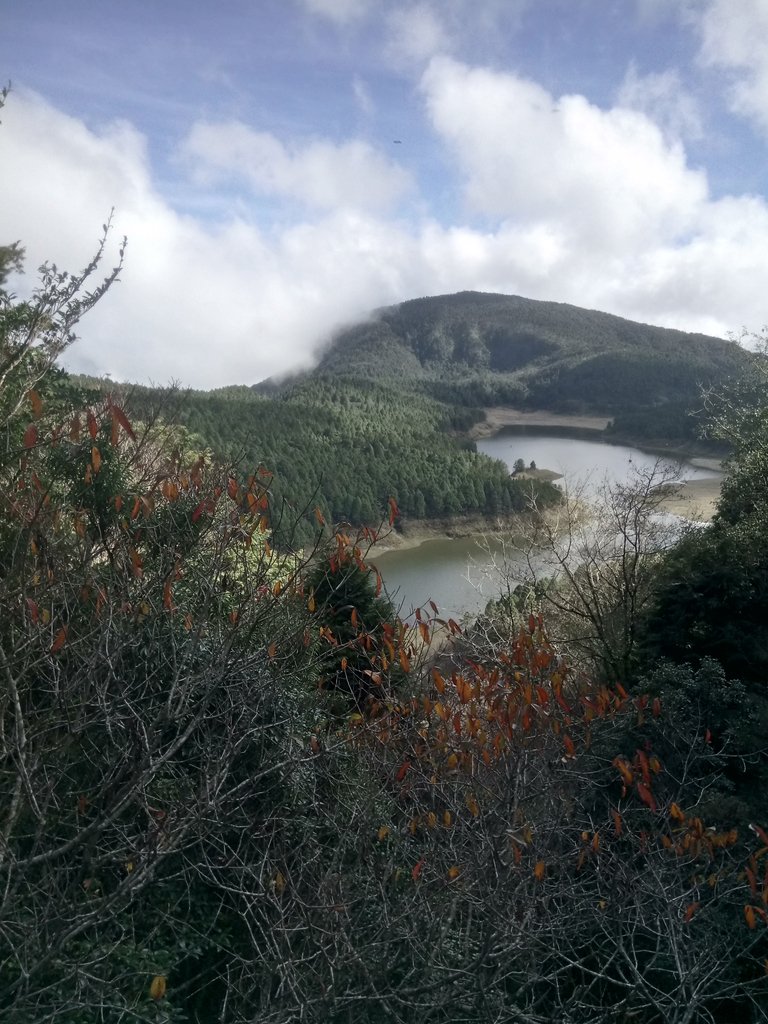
<point x="499" y="416"/>
<point x="694" y="500"/>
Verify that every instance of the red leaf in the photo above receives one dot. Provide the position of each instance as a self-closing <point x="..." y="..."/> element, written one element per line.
<point x="122" y="419"/>
<point x="418" y="868"/>
<point x="33" y="610"/>
<point x="403" y="771"/>
<point x="30" y="436"/>
<point x="646" y="796"/>
<point x="690" y="910"/>
<point x="394" y="511"/>
<point x="59" y="640"/>
<point x="93" y="427"/>
<point x="36" y="402"/>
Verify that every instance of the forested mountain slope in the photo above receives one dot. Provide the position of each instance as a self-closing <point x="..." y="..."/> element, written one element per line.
<point x="346" y="447"/>
<point x="480" y="348"/>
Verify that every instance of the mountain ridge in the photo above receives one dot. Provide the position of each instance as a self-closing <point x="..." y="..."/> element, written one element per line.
<point x="490" y="347"/>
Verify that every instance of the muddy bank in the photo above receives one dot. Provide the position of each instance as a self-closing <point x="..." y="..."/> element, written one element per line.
<point x="413" y="532"/>
<point x="695" y="500"/>
<point x="498" y="417"/>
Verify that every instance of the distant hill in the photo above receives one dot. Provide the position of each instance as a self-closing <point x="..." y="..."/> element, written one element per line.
<point x="478" y="349"/>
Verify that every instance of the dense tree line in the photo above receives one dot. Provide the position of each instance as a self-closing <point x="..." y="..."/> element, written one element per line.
<point x="347" y="446"/>
<point x="481" y="349"/>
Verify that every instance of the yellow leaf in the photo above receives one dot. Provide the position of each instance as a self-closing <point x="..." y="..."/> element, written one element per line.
<point x="129" y="866"/>
<point x="158" y="986"/>
<point x="311" y="603"/>
<point x="471" y="803"/>
<point x="447" y="819"/>
<point x="279" y="882"/>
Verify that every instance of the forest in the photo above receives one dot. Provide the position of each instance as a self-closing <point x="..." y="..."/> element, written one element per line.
<point x="236" y="787"/>
<point x="345" y="446"/>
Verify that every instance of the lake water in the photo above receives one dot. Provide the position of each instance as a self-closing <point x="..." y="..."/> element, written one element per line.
<point x="460" y="575"/>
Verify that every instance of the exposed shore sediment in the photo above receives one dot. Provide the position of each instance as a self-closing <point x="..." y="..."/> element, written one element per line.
<point x="695" y="500"/>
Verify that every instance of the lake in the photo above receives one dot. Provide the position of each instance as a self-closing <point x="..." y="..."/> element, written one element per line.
<point x="459" y="574"/>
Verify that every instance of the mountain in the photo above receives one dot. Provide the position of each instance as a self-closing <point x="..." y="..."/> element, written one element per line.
<point x="476" y="348"/>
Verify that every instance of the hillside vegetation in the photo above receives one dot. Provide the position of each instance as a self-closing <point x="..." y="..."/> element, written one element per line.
<point x="236" y="787"/>
<point x="483" y="349"/>
<point x="384" y="412"/>
<point x="347" y="446"/>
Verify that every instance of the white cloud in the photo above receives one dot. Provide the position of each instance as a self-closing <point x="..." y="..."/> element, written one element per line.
<point x="607" y="178"/>
<point x="340" y="11"/>
<point x="582" y="205"/>
<point x="734" y="36"/>
<point x="662" y="96"/>
<point x="363" y="96"/>
<point x="416" y="33"/>
<point x="318" y="173"/>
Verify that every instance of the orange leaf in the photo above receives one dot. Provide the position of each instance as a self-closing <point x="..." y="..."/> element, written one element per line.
<point x="382" y="833"/>
<point x="690" y="910"/>
<point x="617" y="824"/>
<point x="95" y="459"/>
<point x="646" y="796"/>
<point x="676" y="813"/>
<point x="36" y="402"/>
<point x="438" y="681"/>
<point x="623" y="767"/>
<point x="59" y="640"/>
<point x="749" y="914"/>
<point x="394" y="511"/>
<point x="453" y="873"/>
<point x="93" y="427"/>
<point x="319" y="517"/>
<point x="540" y="871"/>
<point x="404" y="660"/>
<point x="122" y="419"/>
<point x="272" y="650"/>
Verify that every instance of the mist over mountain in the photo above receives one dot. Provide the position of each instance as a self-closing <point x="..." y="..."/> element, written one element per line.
<point x="479" y="348"/>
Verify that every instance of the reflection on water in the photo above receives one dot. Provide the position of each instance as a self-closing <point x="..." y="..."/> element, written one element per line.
<point x="458" y="574"/>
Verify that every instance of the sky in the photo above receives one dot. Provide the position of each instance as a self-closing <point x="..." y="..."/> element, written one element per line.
<point x="281" y="168"/>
